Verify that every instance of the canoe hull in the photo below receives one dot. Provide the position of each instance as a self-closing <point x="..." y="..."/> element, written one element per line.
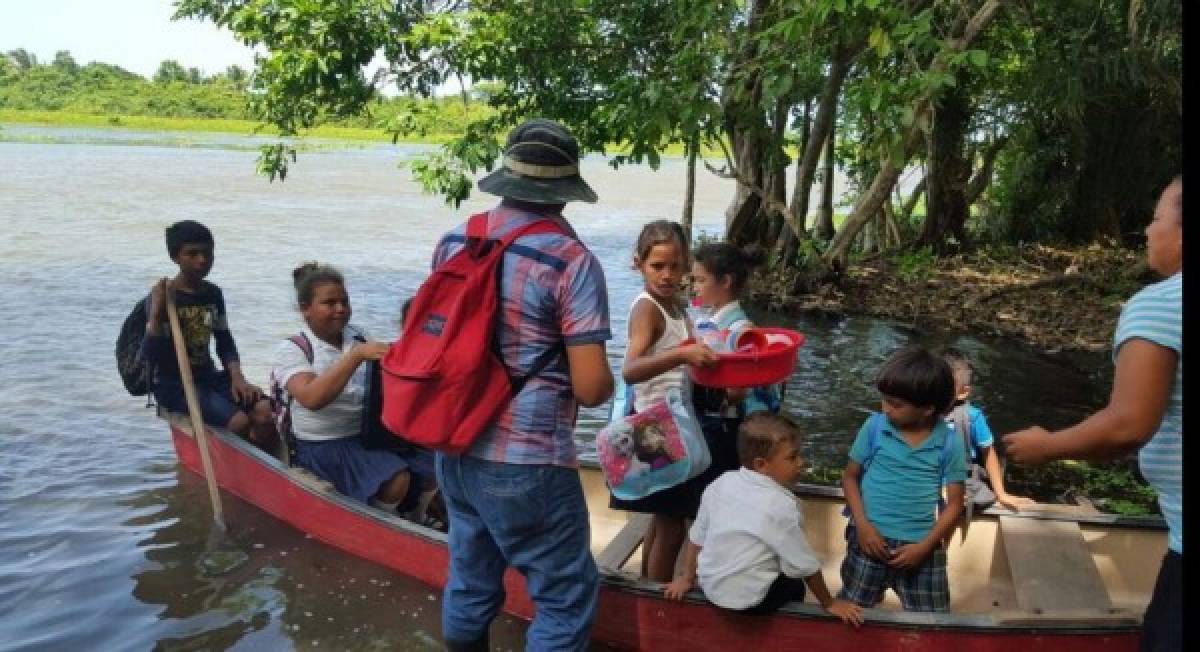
<point x="631" y="615"/>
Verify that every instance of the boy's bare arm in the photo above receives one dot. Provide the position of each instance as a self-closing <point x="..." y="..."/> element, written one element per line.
<point x="911" y="555"/>
<point x="869" y="540"/>
<point x="687" y="580"/>
<point x="991" y="462"/>
<point x="850" y="613"/>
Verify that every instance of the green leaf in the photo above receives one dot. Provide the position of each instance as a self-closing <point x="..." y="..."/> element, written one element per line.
<point x="979" y="58"/>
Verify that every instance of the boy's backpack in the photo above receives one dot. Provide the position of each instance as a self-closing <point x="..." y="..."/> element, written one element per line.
<point x="131" y="363"/>
<point x="977" y="492"/>
<point x="875" y="441"/>
<point x="443" y="382"/>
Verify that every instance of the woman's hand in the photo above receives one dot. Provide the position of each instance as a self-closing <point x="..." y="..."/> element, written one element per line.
<point x="370" y="350"/>
<point x="1028" y="446"/>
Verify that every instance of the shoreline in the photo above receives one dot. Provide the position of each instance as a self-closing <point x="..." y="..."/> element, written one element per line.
<point x="1052" y="299"/>
<point x="237" y="127"/>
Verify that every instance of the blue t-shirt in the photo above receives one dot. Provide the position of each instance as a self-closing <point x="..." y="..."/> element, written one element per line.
<point x="1155" y="314"/>
<point x="902" y="485"/>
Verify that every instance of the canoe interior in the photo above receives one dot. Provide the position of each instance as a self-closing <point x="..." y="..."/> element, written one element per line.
<point x="983" y="592"/>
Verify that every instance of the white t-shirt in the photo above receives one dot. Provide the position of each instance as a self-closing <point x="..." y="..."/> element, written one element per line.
<point x="750" y="530"/>
<point x="343" y="416"/>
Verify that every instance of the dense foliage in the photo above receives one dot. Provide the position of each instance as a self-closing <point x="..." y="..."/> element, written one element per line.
<point x="183" y="92"/>
<point x="1024" y="121"/>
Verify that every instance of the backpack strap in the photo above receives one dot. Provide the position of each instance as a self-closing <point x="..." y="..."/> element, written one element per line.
<point x="301" y="340"/>
<point x="478" y="244"/>
<point x="874" y="438"/>
<point x="961" y="418"/>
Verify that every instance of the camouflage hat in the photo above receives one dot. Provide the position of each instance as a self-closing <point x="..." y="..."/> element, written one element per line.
<point x="541" y="164"/>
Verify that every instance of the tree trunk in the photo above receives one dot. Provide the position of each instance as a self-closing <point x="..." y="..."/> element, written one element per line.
<point x="910" y="204"/>
<point x="824" y="228"/>
<point x="836" y="256"/>
<point x="822" y="125"/>
<point x="983" y="176"/>
<point x="949" y="171"/>
<point x="788" y="244"/>
<point x="745" y="125"/>
<point x="689" y="193"/>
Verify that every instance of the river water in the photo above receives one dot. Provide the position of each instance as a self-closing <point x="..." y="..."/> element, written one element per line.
<point x="105" y="541"/>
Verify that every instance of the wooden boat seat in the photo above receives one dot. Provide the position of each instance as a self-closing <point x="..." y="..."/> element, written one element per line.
<point x="621" y="548"/>
<point x="1052" y="569"/>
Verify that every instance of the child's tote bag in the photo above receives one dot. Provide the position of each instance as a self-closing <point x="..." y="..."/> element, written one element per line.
<point x="655" y="449"/>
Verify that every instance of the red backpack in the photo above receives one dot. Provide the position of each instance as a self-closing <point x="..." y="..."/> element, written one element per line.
<point x="443" y="382"/>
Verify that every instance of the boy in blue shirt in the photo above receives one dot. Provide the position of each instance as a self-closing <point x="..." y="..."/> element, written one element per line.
<point x="226" y="399"/>
<point x="981" y="447"/>
<point x="898" y="465"/>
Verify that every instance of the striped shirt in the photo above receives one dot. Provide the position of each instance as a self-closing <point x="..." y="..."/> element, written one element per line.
<point x="1155" y="314"/>
<point x="552" y="292"/>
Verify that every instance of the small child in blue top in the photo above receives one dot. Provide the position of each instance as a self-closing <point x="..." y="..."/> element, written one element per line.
<point x="898" y="465"/>
<point x="966" y="417"/>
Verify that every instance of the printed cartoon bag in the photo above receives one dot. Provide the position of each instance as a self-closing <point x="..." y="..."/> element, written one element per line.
<point x="655" y="449"/>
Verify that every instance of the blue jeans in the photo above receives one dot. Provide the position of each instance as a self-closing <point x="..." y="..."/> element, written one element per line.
<point x="533" y="518"/>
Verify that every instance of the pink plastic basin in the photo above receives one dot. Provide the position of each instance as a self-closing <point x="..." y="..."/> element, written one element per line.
<point x="771" y="359"/>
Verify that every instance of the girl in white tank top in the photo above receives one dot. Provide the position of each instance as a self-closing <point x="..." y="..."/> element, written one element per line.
<point x="677" y="330"/>
<point x="654" y="363"/>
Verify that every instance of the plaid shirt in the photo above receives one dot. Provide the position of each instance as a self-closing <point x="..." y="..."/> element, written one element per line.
<point x="552" y="290"/>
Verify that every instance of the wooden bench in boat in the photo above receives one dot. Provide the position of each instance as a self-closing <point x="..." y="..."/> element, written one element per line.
<point x="1054" y="575"/>
<point x="621" y="547"/>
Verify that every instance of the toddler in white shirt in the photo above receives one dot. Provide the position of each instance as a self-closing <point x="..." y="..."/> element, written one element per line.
<point x="747" y="549"/>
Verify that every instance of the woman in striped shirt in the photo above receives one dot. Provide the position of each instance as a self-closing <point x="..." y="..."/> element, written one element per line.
<point x="1144" y="412"/>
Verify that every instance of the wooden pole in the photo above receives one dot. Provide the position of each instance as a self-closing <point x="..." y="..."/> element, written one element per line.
<point x="189" y="392"/>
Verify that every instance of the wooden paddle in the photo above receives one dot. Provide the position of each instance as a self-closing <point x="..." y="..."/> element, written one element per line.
<point x="189" y="392"/>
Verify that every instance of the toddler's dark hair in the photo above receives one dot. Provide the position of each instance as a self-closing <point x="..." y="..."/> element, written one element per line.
<point x="660" y="232"/>
<point x="918" y="376"/>
<point x="310" y="275"/>
<point x="960" y="364"/>
<point x="723" y="259"/>
<point x="761" y="433"/>
<point x="186" y="232"/>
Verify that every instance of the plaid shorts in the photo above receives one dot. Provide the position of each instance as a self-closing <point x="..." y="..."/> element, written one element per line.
<point x="864" y="579"/>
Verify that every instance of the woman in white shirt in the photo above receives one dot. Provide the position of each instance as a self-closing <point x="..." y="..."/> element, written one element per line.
<point x="328" y="388"/>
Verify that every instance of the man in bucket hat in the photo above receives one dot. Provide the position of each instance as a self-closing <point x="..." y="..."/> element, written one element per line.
<point x="514" y="497"/>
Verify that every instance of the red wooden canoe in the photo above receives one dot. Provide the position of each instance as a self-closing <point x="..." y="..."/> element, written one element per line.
<point x="634" y="616"/>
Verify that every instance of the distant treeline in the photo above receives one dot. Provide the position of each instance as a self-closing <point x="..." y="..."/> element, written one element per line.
<point x="176" y="91"/>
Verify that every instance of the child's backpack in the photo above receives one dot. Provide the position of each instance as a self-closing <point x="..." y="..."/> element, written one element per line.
<point x="131" y="363"/>
<point x="443" y="382"/>
<point x="655" y="449"/>
<point x="281" y="399"/>
<point x="976" y="491"/>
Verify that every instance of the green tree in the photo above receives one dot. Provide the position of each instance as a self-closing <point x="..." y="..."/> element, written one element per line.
<point x="170" y="70"/>
<point x="24" y="59"/>
<point x="65" y="62"/>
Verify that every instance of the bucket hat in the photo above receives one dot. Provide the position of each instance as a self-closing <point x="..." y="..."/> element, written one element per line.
<point x="541" y="164"/>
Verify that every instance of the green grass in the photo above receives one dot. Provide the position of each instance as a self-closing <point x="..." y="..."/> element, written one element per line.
<point x="243" y="127"/>
<point x="210" y="125"/>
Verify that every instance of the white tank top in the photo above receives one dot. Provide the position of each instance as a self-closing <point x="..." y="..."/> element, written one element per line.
<point x="646" y="393"/>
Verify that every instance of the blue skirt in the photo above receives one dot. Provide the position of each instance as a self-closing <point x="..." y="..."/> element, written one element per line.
<point x="354" y="470"/>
